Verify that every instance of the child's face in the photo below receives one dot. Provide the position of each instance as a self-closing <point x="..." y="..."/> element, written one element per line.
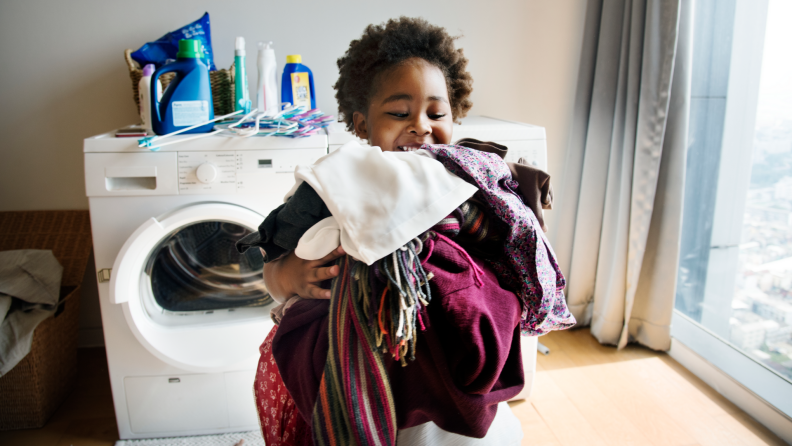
<point x="409" y="108"/>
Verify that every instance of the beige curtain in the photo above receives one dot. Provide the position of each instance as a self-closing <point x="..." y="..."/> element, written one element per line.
<point x="620" y="207"/>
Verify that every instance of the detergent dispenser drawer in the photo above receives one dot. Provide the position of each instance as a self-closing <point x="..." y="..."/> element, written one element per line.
<point x="130" y="174"/>
<point x="176" y="402"/>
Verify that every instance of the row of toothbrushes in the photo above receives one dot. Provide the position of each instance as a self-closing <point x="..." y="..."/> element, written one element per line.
<point x="293" y="122"/>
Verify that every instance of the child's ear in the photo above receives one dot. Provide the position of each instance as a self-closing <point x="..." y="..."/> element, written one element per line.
<point x="360" y="125"/>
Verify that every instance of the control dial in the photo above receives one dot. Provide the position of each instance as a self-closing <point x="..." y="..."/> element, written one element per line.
<point x="206" y="173"/>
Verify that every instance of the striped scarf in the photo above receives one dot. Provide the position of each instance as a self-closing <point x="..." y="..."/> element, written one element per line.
<point x="471" y="228"/>
<point x="373" y="311"/>
<point x="468" y="221"/>
<point x="376" y="310"/>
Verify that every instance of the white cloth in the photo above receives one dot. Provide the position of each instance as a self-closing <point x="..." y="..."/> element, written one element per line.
<point x="32" y="276"/>
<point x="319" y="240"/>
<point x="505" y="430"/>
<point x="382" y="200"/>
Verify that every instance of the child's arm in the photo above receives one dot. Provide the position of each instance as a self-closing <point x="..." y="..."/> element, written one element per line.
<point x="291" y="275"/>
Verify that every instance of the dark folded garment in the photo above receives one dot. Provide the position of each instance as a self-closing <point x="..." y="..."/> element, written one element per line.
<point x="534" y="188"/>
<point x="283" y="227"/>
<point x="467" y="361"/>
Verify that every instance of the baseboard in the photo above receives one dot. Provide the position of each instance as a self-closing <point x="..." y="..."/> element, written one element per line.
<point x="90" y="337"/>
<point x="765" y="413"/>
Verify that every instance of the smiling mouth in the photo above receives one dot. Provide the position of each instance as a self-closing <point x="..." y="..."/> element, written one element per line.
<point x="410" y="148"/>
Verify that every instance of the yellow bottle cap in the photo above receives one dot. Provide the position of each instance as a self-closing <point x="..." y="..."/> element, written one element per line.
<point x="294" y="58"/>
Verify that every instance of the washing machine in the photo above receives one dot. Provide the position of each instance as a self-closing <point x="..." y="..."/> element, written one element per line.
<point x="183" y="313"/>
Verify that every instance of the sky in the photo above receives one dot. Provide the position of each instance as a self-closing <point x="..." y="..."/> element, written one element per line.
<point x="775" y="88"/>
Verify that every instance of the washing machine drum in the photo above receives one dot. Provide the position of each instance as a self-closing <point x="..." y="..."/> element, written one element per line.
<point x="198" y="268"/>
<point x="188" y="296"/>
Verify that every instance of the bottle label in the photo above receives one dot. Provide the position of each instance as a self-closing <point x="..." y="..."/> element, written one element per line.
<point x="187" y="113"/>
<point x="301" y="89"/>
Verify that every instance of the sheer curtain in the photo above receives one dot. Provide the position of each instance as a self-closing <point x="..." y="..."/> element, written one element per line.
<point x="618" y="227"/>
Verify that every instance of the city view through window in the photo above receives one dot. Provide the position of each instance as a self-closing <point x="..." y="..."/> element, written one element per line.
<point x="761" y="320"/>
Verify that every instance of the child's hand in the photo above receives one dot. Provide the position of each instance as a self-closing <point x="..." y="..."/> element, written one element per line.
<point x="291" y="275"/>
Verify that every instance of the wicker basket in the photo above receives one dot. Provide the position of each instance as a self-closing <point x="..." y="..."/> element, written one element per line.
<point x="33" y="390"/>
<point x="222" y="85"/>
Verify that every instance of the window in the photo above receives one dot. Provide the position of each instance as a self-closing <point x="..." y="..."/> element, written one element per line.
<point x="734" y="292"/>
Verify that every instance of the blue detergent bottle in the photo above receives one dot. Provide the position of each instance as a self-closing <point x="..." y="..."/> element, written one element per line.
<point x="297" y="83"/>
<point x="188" y="99"/>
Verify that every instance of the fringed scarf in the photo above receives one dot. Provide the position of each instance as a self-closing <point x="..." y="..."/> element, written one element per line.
<point x="373" y="311"/>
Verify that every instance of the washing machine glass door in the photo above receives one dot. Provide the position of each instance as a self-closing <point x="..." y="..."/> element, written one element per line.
<point x="196" y="269"/>
<point x="189" y="297"/>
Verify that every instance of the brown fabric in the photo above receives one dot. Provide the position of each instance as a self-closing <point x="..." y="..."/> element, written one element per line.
<point x="534" y="187"/>
<point x="484" y="146"/>
<point x="533" y="183"/>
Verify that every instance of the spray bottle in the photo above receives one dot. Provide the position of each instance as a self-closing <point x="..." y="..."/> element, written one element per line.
<point x="241" y="94"/>
<point x="267" y="90"/>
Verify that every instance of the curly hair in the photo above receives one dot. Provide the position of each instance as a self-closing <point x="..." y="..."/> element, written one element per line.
<point x="382" y="47"/>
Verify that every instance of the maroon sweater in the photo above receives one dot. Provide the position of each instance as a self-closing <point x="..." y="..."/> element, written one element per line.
<point x="467" y="361"/>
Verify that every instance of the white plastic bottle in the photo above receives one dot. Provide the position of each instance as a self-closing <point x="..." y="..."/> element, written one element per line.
<point x="267" y="89"/>
<point x="144" y="96"/>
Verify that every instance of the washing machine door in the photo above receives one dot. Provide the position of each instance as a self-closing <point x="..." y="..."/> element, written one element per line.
<point x="189" y="297"/>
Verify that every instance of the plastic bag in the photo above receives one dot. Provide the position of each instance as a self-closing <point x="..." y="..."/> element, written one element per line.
<point x="164" y="49"/>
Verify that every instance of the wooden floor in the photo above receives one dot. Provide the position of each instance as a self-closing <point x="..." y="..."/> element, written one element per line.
<point x="584" y="394"/>
<point x="589" y="394"/>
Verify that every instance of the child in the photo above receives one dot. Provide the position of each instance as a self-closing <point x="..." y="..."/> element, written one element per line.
<point x="377" y="75"/>
<point x="401" y="86"/>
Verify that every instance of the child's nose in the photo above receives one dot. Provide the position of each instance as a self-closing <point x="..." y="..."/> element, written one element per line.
<point x="421" y="127"/>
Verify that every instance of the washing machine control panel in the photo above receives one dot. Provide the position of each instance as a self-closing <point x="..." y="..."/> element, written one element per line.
<point x="201" y="172"/>
<point x="248" y="171"/>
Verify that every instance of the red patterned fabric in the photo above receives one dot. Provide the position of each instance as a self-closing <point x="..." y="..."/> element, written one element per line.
<point x="280" y="421"/>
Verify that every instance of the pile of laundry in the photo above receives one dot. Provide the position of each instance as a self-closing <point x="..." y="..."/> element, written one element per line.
<point x="29" y="293"/>
<point x="403" y="218"/>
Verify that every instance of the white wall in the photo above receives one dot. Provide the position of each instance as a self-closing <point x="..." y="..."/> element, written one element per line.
<point x="63" y="76"/>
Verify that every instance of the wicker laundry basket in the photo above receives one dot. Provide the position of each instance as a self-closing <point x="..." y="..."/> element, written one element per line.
<point x="222" y="85"/>
<point x="32" y="391"/>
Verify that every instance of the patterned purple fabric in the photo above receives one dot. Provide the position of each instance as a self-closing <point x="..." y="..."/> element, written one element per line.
<point x="528" y="266"/>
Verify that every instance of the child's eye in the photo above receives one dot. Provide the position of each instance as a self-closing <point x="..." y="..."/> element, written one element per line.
<point x="398" y="115"/>
<point x="437" y="116"/>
